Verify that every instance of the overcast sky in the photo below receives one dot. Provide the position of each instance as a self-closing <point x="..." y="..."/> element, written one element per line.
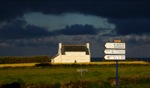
<point x="35" y="27"/>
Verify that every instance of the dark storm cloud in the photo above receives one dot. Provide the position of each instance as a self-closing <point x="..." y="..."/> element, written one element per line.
<point x="77" y="30"/>
<point x="132" y="26"/>
<point x="111" y="9"/>
<point x="11" y="9"/>
<point x="20" y="38"/>
<point x="19" y="29"/>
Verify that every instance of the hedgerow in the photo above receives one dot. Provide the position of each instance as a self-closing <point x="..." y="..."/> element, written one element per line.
<point x="23" y="59"/>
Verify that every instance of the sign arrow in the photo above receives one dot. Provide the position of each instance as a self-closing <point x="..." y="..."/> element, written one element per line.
<point x="115" y="45"/>
<point x="114" y="57"/>
<point x="109" y="51"/>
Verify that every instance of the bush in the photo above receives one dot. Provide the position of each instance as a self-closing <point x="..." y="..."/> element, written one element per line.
<point x="136" y="80"/>
<point x="12" y="85"/>
<point x="43" y="64"/>
<point x="19" y="83"/>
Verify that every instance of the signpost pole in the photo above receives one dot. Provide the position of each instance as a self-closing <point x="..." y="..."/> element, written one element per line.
<point x="116" y="73"/>
<point x="116" y="51"/>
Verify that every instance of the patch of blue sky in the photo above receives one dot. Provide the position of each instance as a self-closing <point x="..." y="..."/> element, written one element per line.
<point x="56" y="22"/>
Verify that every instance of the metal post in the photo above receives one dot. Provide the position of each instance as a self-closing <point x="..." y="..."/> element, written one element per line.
<point x="116" y="73"/>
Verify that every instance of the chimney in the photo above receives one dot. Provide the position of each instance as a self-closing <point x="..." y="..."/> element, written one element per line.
<point x="59" y="49"/>
<point x="88" y="45"/>
<point x="60" y="45"/>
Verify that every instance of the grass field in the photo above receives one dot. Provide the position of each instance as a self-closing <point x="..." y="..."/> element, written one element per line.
<point x="134" y="73"/>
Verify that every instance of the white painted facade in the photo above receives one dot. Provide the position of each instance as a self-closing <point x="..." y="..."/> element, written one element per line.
<point x="72" y="56"/>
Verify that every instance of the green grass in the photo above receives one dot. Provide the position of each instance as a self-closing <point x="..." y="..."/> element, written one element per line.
<point x="65" y="74"/>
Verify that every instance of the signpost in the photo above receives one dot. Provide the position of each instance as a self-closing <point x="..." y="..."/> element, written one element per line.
<point x="81" y="71"/>
<point x="111" y="51"/>
<point x="115" y="45"/>
<point x="114" y="57"/>
<point x="115" y="51"/>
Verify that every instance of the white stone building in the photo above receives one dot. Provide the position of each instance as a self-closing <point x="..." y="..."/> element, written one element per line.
<point x="72" y="54"/>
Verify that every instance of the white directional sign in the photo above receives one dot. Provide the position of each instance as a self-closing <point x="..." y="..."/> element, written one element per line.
<point x="114" y="57"/>
<point x="115" y="45"/>
<point x="115" y="51"/>
<point x="108" y="51"/>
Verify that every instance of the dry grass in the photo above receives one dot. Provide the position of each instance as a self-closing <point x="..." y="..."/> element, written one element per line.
<point x="89" y="63"/>
<point x="108" y="63"/>
<point x="123" y="62"/>
<point x="134" y="62"/>
<point x="18" y="65"/>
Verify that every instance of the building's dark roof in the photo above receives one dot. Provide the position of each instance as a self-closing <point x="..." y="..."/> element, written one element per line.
<point x="74" y="48"/>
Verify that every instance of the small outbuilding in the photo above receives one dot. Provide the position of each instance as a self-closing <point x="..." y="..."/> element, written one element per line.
<point x="72" y="54"/>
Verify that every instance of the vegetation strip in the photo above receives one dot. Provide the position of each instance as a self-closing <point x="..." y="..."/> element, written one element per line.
<point x="23" y="59"/>
<point x="18" y="65"/>
<point x="67" y="64"/>
<point x="66" y="76"/>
